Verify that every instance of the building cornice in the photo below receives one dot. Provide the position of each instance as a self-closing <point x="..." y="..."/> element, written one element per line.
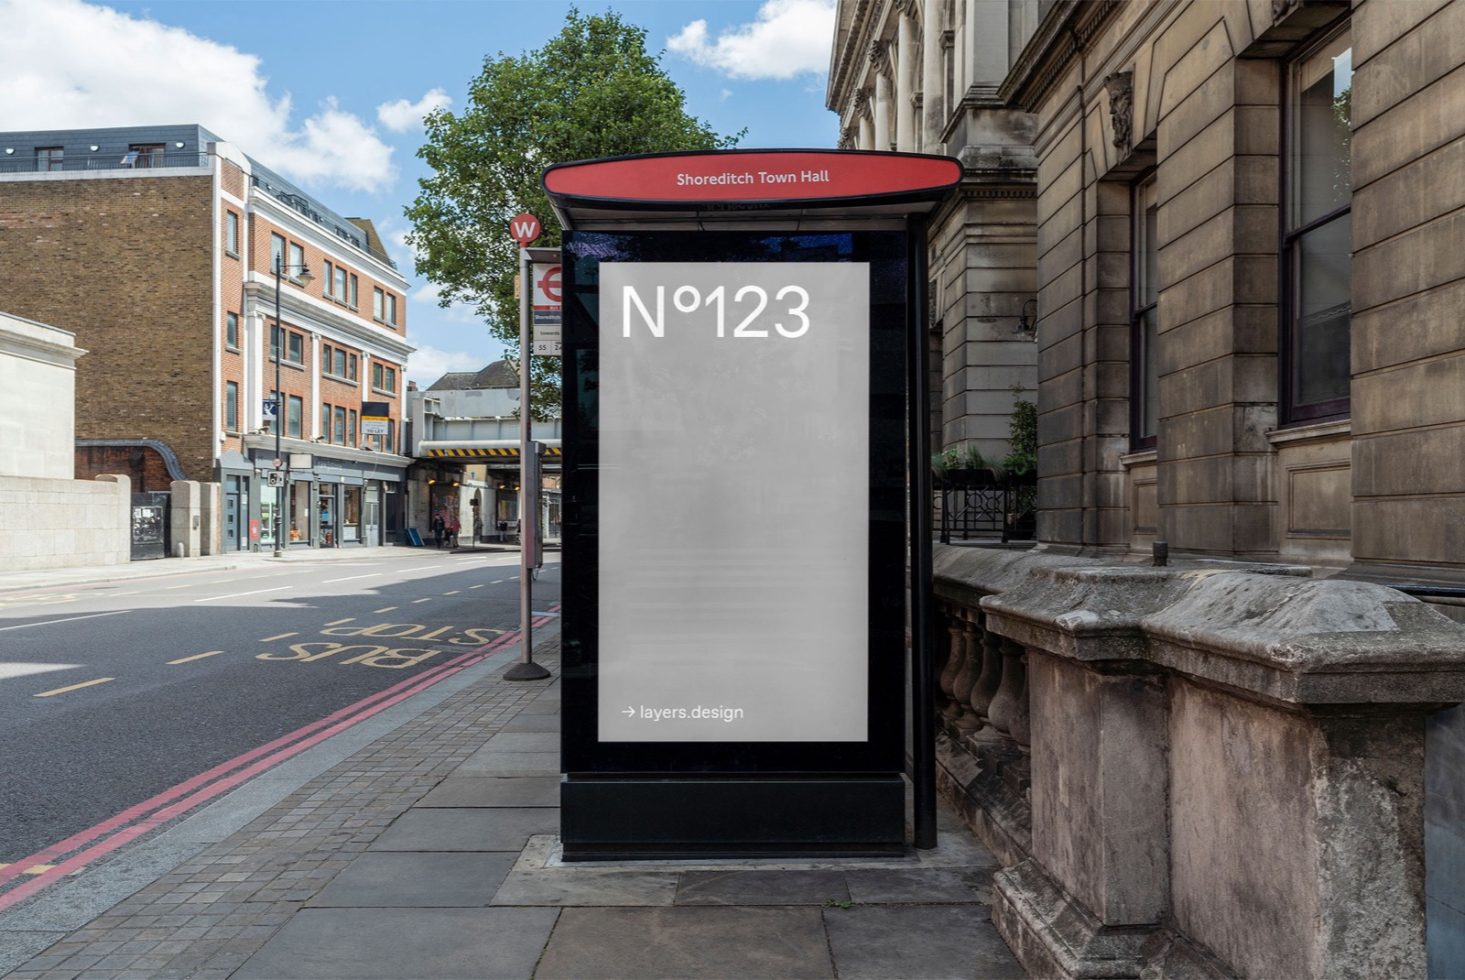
<point x="325" y="450"/>
<point x="1063" y="34"/>
<point x="323" y="317"/>
<point x="38" y="349"/>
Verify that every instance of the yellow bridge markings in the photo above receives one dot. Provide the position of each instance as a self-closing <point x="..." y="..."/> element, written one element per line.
<point x="196" y="656"/>
<point x="73" y="687"/>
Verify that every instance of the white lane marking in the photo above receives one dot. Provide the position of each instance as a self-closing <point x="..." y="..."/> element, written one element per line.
<point x="69" y="619"/>
<point x="350" y="578"/>
<point x="416" y="601"/>
<point x="10" y="670"/>
<point x="385" y="609"/>
<point x="498" y="581"/>
<point x="239" y="595"/>
<point x="278" y="636"/>
<point x="196" y="656"/>
<point x="478" y="586"/>
<point x="185" y="585"/>
<point x="338" y="622"/>
<point x="454" y="592"/>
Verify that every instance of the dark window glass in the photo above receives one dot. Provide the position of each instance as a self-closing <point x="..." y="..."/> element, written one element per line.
<point x="231" y="232"/>
<point x="1317" y="245"/>
<point x="231" y="406"/>
<point x="340" y="426"/>
<point x="277" y="253"/>
<point x="231" y="329"/>
<point x="340" y="363"/>
<point x="296" y="416"/>
<point x="49" y="158"/>
<point x="352" y="298"/>
<point x="297" y="348"/>
<point x="1144" y="366"/>
<point x="351" y="367"/>
<point x="351" y="428"/>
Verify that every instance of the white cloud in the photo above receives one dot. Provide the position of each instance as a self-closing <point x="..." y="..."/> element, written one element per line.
<point x="786" y="38"/>
<point x="70" y="65"/>
<point x="401" y="115"/>
<point x="427" y="364"/>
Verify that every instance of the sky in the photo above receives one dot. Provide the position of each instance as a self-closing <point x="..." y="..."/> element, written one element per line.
<point x="331" y="93"/>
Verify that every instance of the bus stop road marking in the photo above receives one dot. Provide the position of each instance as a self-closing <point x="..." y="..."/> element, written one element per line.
<point x="239" y="595"/>
<point x="338" y="622"/>
<point x="196" y="656"/>
<point x="73" y="687"/>
<point x="278" y="636"/>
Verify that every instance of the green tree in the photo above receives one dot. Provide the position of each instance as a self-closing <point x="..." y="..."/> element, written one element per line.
<point x="593" y="90"/>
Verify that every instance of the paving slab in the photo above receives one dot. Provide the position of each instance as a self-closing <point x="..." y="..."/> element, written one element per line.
<point x="762" y="888"/>
<point x="524" y="742"/>
<point x="533" y="723"/>
<point x="467" y="829"/>
<point x="579" y="886"/>
<point x="692" y="943"/>
<point x="930" y="941"/>
<point x="920" y="886"/>
<point x="417" y="879"/>
<point x="494" y="791"/>
<point x="388" y="944"/>
<point x="541" y="706"/>
<point x="487" y="761"/>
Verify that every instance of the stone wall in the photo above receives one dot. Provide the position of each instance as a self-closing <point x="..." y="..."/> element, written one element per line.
<point x="48" y="523"/>
<point x="37" y="398"/>
<point x="1204" y="769"/>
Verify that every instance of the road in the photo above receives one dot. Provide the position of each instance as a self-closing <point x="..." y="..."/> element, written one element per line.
<point x="113" y="693"/>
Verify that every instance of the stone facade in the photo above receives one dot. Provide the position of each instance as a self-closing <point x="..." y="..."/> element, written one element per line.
<point x="921" y="76"/>
<point x="1204" y="108"/>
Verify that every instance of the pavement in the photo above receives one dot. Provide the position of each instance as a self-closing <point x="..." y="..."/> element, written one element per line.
<point x="422" y="843"/>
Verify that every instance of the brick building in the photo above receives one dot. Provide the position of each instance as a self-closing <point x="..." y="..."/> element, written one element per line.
<point x="156" y="246"/>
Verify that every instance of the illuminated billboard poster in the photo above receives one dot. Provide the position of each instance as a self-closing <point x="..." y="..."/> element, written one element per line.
<point x="734" y="501"/>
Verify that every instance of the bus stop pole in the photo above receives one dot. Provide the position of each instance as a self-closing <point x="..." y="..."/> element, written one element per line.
<point x="526" y="669"/>
<point x="923" y="718"/>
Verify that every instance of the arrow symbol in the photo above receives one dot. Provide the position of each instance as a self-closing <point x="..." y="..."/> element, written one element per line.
<point x="629" y="712"/>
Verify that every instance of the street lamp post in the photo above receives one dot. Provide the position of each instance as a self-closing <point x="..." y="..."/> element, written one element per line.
<point x="305" y="278"/>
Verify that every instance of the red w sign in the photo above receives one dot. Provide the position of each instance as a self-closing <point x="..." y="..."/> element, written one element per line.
<point x="524" y="228"/>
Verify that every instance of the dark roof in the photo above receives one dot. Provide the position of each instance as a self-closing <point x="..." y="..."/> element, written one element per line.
<point x="499" y="374"/>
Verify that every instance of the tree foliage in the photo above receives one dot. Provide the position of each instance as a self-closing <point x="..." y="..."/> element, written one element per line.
<point x="591" y="91"/>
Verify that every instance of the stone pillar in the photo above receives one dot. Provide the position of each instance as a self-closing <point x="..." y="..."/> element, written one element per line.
<point x="933" y="80"/>
<point x="122" y="540"/>
<point x="211" y="510"/>
<point x="867" y="132"/>
<point x="882" y="111"/>
<point x="905" y="56"/>
<point x="186" y="518"/>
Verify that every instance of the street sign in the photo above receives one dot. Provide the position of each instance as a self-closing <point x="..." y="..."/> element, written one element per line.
<point x="524" y="228"/>
<point x="548" y="296"/>
<point x="269" y="406"/>
<point x="275" y="478"/>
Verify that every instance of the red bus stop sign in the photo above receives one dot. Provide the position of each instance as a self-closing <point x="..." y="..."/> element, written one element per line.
<point x="524" y="228"/>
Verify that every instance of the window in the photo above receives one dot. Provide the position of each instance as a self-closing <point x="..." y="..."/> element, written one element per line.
<point x="352" y="297"/>
<point x="144" y="155"/>
<point x="1317" y="237"/>
<point x="231" y="406"/>
<point x="383" y="378"/>
<point x="325" y="421"/>
<point x="231" y="331"/>
<point x="49" y="158"/>
<point x="294" y="345"/>
<point x="1144" y="365"/>
<point x="270" y="424"/>
<point x="351" y="428"/>
<point x="339" y="365"/>
<point x="325" y="357"/>
<point x="297" y="260"/>
<point x="351" y="367"/>
<point x="277" y="253"/>
<point x="340" y="292"/>
<point x="378" y="303"/>
<point x="340" y="426"/>
<point x="328" y="282"/>
<point x="296" y="416"/>
<point x="391" y="309"/>
<point x="231" y="233"/>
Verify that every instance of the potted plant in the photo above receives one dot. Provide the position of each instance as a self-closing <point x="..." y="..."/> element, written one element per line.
<point x="1020" y="470"/>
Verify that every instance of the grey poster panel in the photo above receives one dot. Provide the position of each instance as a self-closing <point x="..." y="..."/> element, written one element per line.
<point x="734" y="501"/>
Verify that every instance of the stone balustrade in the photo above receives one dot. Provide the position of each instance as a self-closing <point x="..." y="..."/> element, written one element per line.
<point x="1208" y="768"/>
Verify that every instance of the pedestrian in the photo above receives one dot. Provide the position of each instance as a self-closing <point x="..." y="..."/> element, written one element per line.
<point x="454" y="526"/>
<point x="438" y="527"/>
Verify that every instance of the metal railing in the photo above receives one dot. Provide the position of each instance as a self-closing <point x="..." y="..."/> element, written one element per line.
<point x="1001" y="508"/>
<point x="106" y="158"/>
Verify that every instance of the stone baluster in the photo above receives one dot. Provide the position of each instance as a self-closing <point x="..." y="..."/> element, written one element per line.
<point x="1022" y="727"/>
<point x="955" y="650"/>
<point x="990" y="677"/>
<point x="961" y="687"/>
<point x="1004" y="708"/>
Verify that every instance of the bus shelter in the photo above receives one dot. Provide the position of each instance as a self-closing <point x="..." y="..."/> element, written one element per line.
<point x="745" y="486"/>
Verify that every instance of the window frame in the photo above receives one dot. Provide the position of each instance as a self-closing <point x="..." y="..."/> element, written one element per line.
<point x="294" y="416"/>
<point x="53" y="158"/>
<point x="277" y="252"/>
<point x="289" y="336"/>
<point x="231" y="330"/>
<point x="231" y="233"/>
<point x="328" y="280"/>
<point x="1289" y="412"/>
<point x="351" y="425"/>
<point x="391" y="309"/>
<point x="296" y="250"/>
<point x="231" y="406"/>
<point x="1147" y="183"/>
<point x="378" y="304"/>
<point x="351" y="299"/>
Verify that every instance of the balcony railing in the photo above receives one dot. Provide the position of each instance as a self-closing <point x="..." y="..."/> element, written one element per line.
<point x="108" y="158"/>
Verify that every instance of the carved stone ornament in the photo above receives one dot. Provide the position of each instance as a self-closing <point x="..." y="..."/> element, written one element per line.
<point x="847" y="139"/>
<point x="1120" y="87"/>
<point x="880" y="57"/>
<point x="861" y="103"/>
<point x="1281" y="8"/>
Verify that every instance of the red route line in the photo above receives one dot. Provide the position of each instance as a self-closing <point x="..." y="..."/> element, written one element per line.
<point x="153" y="812"/>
